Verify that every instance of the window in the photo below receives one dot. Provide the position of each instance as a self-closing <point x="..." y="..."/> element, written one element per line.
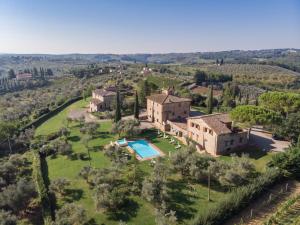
<point x="156" y="120"/>
<point x="179" y="104"/>
<point x="241" y="139"/>
<point x="204" y="129"/>
<point x="173" y="113"/>
<point x="226" y="143"/>
<point x="211" y="132"/>
<point x="184" y="112"/>
<point x="231" y="142"/>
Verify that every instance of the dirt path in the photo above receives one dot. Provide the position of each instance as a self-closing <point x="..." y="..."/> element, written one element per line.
<point x="263" y="207"/>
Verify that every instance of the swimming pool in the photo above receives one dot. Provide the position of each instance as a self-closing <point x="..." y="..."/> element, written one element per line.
<point x="122" y="142"/>
<point x="143" y="149"/>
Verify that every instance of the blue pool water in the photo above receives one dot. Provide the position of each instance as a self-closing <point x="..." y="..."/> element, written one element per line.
<point x="143" y="148"/>
<point x="122" y="141"/>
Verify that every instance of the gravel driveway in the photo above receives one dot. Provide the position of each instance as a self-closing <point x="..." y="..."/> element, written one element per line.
<point x="264" y="141"/>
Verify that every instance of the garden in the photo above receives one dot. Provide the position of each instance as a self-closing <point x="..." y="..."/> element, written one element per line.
<point x="172" y="191"/>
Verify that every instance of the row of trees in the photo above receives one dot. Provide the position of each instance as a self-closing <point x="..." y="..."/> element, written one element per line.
<point x="201" y="77"/>
<point x="41" y="73"/>
<point x="9" y="85"/>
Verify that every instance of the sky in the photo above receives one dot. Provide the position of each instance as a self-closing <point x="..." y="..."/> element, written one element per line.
<point x="147" y="26"/>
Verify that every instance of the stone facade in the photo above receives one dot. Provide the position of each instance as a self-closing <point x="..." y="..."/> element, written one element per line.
<point x="214" y="134"/>
<point x="102" y="100"/>
<point x="165" y="106"/>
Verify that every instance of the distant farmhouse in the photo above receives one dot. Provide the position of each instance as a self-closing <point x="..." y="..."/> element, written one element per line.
<point x="214" y="133"/>
<point x="102" y="99"/>
<point x="146" y="71"/>
<point x="23" y="76"/>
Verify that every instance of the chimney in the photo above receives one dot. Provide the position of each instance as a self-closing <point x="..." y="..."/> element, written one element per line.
<point x="169" y="91"/>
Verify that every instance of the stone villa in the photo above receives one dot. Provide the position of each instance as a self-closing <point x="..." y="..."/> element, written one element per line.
<point x="166" y="106"/>
<point x="214" y="133"/>
<point x="102" y="100"/>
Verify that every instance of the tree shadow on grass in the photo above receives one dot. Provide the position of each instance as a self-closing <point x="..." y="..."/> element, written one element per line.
<point x="128" y="211"/>
<point x="103" y="135"/>
<point x="96" y="148"/>
<point x="91" y="222"/>
<point x="74" y="138"/>
<point x="73" y="156"/>
<point x="72" y="195"/>
<point x="181" y="202"/>
<point x="252" y="151"/>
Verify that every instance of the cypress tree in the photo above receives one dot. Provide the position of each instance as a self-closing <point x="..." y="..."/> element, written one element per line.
<point x="136" y="106"/>
<point x="145" y="91"/>
<point x="118" y="115"/>
<point x="247" y="100"/>
<point x="210" y="100"/>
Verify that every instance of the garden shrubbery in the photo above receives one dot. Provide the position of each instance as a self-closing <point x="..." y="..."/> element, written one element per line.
<point x="41" y="187"/>
<point x="236" y="200"/>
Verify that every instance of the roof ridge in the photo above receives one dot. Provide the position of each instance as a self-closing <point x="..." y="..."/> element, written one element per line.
<point x="165" y="99"/>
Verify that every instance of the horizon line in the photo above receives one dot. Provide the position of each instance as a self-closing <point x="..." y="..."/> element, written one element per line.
<point x="145" y="53"/>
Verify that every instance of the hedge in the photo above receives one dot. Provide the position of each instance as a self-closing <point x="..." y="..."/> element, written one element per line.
<point x="236" y="200"/>
<point x="37" y="122"/>
<point x="39" y="175"/>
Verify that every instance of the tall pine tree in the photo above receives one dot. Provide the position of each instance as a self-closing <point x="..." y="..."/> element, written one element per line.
<point x="136" y="106"/>
<point x="210" y="100"/>
<point x="118" y="115"/>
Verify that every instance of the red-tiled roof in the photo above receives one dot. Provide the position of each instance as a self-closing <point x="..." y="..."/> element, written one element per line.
<point x="103" y="92"/>
<point x="24" y="75"/>
<point x="180" y="123"/>
<point x="217" y="122"/>
<point x="165" y="99"/>
<point x="95" y="101"/>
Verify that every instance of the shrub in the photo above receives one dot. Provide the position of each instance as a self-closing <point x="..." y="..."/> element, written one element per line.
<point x="236" y="200"/>
<point x="42" y="188"/>
<point x="288" y="162"/>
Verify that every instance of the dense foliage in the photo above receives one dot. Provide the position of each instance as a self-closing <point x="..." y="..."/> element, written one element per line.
<point x="283" y="102"/>
<point x="288" y="162"/>
<point x="254" y="115"/>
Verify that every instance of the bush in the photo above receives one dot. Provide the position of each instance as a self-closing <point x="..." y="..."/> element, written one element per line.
<point x="236" y="200"/>
<point x="288" y="162"/>
<point x="41" y="112"/>
<point x="42" y="189"/>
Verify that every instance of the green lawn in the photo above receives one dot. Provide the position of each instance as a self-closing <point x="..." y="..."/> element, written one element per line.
<point x="257" y="156"/>
<point x="186" y="201"/>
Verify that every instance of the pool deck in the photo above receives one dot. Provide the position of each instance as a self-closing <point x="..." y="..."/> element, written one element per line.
<point x="161" y="154"/>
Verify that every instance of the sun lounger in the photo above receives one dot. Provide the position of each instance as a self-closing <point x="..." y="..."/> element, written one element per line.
<point x="177" y="146"/>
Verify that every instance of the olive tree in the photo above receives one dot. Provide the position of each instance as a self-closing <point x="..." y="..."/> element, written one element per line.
<point x="71" y="214"/>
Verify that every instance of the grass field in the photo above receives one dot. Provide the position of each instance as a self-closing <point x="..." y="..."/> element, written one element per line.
<point x="183" y="200"/>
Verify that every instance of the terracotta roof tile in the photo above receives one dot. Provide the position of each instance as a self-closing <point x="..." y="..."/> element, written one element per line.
<point x="95" y="101"/>
<point x="217" y="122"/>
<point x="103" y="92"/>
<point x="165" y="99"/>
